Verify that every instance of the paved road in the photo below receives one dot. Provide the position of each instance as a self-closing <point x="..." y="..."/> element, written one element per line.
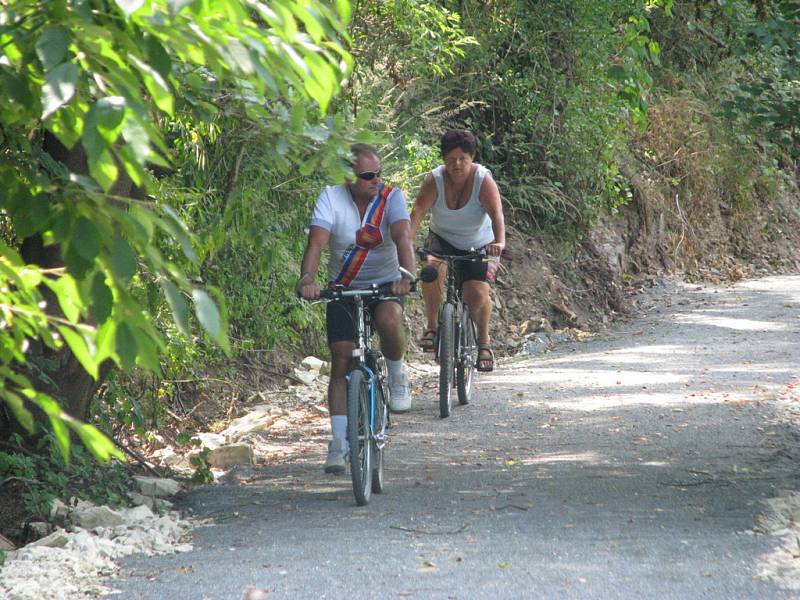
<point x="630" y="465"/>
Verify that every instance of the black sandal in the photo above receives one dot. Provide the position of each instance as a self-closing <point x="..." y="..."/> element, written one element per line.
<point x="485" y="364"/>
<point x="428" y="340"/>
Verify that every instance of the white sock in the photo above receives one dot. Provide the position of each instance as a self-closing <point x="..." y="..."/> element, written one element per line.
<point x="395" y="367"/>
<point x="339" y="429"/>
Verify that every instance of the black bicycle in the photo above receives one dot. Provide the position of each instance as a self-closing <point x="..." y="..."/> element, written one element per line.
<point x="367" y="395"/>
<point x="456" y="337"/>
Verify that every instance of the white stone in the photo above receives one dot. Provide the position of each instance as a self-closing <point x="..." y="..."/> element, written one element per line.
<point x="96" y="516"/>
<point x="134" y="516"/>
<point x="307" y="377"/>
<point x="58" y="510"/>
<point x="156" y="486"/>
<point x="140" y="499"/>
<point x="57" y="539"/>
<point x="312" y="363"/>
<point x="231" y="455"/>
<point x="211" y="440"/>
<point x="259" y="419"/>
<point x="162" y="506"/>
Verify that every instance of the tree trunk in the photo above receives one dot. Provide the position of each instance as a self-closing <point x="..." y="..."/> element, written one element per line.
<point x="61" y="375"/>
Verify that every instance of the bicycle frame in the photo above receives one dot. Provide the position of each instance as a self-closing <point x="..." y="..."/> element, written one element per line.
<point x="454" y="351"/>
<point x="453" y="281"/>
<point x="363" y="321"/>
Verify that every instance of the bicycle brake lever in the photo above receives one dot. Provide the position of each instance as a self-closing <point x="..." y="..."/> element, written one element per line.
<point x="406" y="274"/>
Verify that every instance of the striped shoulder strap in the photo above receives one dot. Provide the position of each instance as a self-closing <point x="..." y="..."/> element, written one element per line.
<point x="367" y="238"/>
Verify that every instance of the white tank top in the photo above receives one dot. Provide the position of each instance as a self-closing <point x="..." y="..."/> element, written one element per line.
<point x="469" y="226"/>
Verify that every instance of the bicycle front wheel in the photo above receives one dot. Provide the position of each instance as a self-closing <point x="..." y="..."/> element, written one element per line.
<point x="467" y="356"/>
<point x="358" y="435"/>
<point x="446" y="358"/>
<point x="378" y="443"/>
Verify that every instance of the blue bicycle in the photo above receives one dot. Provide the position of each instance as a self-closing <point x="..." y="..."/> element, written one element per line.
<point x="367" y="395"/>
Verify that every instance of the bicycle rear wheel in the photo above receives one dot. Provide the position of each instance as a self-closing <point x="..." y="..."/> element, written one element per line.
<point x="467" y="356"/>
<point x="358" y="436"/>
<point x="446" y="358"/>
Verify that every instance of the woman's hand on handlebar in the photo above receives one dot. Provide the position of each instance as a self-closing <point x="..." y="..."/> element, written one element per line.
<point x="495" y="248"/>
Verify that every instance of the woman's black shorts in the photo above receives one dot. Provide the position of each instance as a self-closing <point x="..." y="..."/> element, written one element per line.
<point x="469" y="270"/>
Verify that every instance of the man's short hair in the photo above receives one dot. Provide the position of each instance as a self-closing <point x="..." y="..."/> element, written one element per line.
<point x="458" y="138"/>
<point x="360" y="149"/>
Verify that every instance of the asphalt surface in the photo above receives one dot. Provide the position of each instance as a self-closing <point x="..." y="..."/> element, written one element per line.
<point x="633" y="464"/>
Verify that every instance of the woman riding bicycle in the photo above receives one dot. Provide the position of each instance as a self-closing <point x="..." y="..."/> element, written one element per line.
<point x="466" y="214"/>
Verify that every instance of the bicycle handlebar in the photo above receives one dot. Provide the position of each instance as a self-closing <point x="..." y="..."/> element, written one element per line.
<point x="472" y="256"/>
<point x="376" y="291"/>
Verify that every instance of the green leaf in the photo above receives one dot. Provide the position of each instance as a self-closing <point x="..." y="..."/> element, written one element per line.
<point x="175" y="226"/>
<point x="103" y="169"/>
<point x="77" y="265"/>
<point x="155" y="84"/>
<point x="106" y="342"/>
<point x="96" y="441"/>
<point x="126" y="346"/>
<point x="147" y="350"/>
<point x="66" y="290"/>
<point x="17" y="407"/>
<point x="180" y="311"/>
<point x="102" y="298"/>
<point x="86" y="239"/>
<point x="61" y="433"/>
<point x="81" y="348"/>
<point x="59" y="87"/>
<point x="33" y="217"/>
<point x="208" y="315"/>
<point x="107" y="116"/>
<point x="51" y="47"/>
<point x="67" y="125"/>
<point x="617" y="73"/>
<point x="157" y="56"/>
<point x="343" y="8"/>
<point x="123" y="260"/>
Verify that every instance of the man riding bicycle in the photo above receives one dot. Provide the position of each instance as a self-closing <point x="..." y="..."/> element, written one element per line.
<point x="365" y="225"/>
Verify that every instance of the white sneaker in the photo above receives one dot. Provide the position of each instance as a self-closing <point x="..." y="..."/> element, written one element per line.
<point x="336" y="457"/>
<point x="399" y="394"/>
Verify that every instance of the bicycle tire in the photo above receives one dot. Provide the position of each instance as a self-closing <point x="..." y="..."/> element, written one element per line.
<point x="358" y="436"/>
<point x="446" y="358"/>
<point x="381" y="424"/>
<point x="467" y="357"/>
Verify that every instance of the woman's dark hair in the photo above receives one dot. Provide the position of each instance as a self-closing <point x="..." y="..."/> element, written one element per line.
<point x="458" y="138"/>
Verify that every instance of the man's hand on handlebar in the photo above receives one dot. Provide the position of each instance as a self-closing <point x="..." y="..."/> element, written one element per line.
<point x="401" y="287"/>
<point x="405" y="284"/>
<point x="495" y="248"/>
<point x="307" y="288"/>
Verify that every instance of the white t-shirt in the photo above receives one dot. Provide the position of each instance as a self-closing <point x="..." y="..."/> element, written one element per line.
<point x="336" y="212"/>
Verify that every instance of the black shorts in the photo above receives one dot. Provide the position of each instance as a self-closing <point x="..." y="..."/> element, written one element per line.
<point x="340" y="318"/>
<point x="468" y="270"/>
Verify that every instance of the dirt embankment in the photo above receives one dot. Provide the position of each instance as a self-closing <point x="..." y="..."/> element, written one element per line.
<point x="649" y="238"/>
<point x="699" y="209"/>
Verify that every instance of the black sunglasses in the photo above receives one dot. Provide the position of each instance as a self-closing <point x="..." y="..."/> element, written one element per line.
<point x="368" y="175"/>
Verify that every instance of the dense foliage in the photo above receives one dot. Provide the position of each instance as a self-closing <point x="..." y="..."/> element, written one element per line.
<point x="95" y="89"/>
<point x="129" y="124"/>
